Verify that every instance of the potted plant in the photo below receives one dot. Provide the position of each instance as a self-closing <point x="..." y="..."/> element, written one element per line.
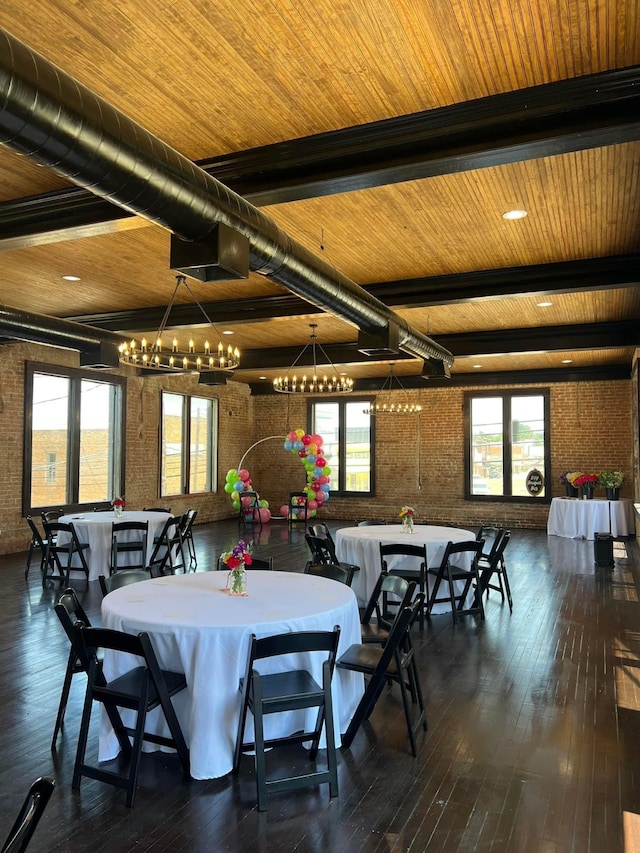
<point x="611" y="481"/>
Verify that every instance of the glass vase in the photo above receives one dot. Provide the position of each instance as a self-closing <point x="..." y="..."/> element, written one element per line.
<point x="117" y="511"/>
<point x="237" y="581"/>
<point x="407" y="524"/>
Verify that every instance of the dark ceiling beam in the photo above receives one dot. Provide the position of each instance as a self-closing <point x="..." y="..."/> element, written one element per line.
<point x="547" y="120"/>
<point x="606" y="373"/>
<point x="542" y="279"/>
<point x="587" y="336"/>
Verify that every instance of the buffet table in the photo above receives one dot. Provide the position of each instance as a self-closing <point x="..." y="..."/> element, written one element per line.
<point x="95" y="528"/>
<point x="197" y="629"/>
<point x="361" y="546"/>
<point x="582" y="519"/>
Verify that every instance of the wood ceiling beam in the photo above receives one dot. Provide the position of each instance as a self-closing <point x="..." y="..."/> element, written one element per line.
<point x="547" y="120"/>
<point x="544" y="279"/>
<point x="585" y="336"/>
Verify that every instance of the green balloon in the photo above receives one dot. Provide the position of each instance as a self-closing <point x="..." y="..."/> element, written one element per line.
<point x="232" y="475"/>
<point x="228" y="488"/>
<point x="236" y="504"/>
<point x="326" y="471"/>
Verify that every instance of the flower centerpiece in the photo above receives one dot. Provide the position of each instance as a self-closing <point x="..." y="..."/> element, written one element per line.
<point x="118" y="506"/>
<point x="407" y="514"/>
<point x="586" y="482"/>
<point x="611" y="481"/>
<point x="567" y="481"/>
<point x="236" y="560"/>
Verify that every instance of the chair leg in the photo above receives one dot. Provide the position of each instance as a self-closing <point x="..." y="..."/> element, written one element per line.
<point x="136" y="749"/>
<point x="29" y="556"/>
<point x="64" y="697"/>
<point x="507" y="587"/>
<point x="260" y="761"/>
<point x="327" y="712"/>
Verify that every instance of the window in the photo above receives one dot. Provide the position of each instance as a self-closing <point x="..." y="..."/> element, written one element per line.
<point x="347" y="438"/>
<point x="507" y="441"/>
<point x="189" y="445"/>
<point x="74" y="429"/>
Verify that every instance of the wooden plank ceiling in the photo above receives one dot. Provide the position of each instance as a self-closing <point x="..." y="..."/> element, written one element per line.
<point x="434" y="119"/>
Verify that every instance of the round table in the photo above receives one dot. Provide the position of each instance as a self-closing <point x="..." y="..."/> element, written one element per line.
<point x="198" y="629"/>
<point x="95" y="528"/>
<point x="361" y="546"/>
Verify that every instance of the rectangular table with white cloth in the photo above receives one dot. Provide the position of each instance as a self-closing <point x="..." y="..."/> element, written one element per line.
<point x="361" y="546"/>
<point x="582" y="519"/>
<point x="198" y="629"/>
<point x="95" y="528"/>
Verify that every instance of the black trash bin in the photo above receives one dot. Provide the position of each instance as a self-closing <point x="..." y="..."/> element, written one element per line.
<point x="603" y="550"/>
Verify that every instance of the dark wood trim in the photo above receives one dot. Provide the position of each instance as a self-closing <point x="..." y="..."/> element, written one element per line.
<point x="541" y="279"/>
<point x="546" y="120"/>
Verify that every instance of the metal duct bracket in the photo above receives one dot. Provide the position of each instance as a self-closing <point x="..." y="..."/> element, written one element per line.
<point x="224" y="257"/>
<point x="380" y="343"/>
<point x="432" y="368"/>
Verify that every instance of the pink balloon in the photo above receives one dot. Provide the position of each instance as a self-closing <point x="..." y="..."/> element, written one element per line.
<point x="292" y="436"/>
<point x="320" y="462"/>
<point x="284" y="510"/>
<point x="323" y="479"/>
<point x="320" y="498"/>
<point x="312" y="505"/>
<point x="243" y="474"/>
<point x="302" y="513"/>
<point x="265" y="514"/>
<point x="305" y="439"/>
<point x="302" y="454"/>
<point x="317" y="440"/>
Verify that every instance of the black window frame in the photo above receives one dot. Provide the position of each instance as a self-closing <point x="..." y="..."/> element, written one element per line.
<point x="186" y="443"/>
<point x="507" y="397"/>
<point x="76" y="376"/>
<point x="340" y="491"/>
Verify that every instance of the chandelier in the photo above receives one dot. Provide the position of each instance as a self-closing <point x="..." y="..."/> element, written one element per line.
<point x="404" y="406"/>
<point x="332" y="383"/>
<point x="156" y="356"/>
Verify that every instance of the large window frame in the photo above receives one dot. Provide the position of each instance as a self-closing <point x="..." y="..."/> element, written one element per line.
<point x="71" y="439"/>
<point x="507" y="398"/>
<point x="338" y="485"/>
<point x="187" y="443"/>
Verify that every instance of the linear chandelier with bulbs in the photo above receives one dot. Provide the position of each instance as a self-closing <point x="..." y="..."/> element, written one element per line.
<point x="155" y="356"/>
<point x="329" y="383"/>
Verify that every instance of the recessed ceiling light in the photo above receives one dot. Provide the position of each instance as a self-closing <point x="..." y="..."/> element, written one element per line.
<point x="514" y="214"/>
<point x="477" y="365"/>
<point x="544" y="304"/>
<point x="71" y="277"/>
<point x="262" y="377"/>
<point x="567" y="361"/>
<point x="227" y="332"/>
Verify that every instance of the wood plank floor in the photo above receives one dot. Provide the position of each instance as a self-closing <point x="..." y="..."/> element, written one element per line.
<point x="533" y="741"/>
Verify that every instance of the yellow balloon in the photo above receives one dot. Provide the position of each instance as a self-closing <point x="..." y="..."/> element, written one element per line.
<point x="299" y="433"/>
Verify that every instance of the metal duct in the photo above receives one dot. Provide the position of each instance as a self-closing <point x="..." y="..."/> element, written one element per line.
<point x="25" y="326"/>
<point x="46" y="114"/>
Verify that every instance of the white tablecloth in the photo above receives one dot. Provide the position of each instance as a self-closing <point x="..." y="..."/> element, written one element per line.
<point x="361" y="546"/>
<point x="198" y="629"/>
<point x="95" y="528"/>
<point x="575" y="518"/>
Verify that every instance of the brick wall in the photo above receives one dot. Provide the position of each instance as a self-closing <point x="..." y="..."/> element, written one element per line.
<point x="591" y="429"/>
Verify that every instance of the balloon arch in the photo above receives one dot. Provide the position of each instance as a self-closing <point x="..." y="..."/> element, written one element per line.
<point x="308" y="448"/>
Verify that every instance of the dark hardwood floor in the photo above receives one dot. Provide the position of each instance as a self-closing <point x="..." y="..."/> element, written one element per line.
<point x="533" y="741"/>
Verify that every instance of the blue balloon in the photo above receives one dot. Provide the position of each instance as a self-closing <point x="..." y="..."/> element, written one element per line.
<point x="326" y="487"/>
<point x="238" y="486"/>
<point x="311" y="458"/>
<point x="317" y="472"/>
<point x="327" y="495"/>
<point x="298" y="445"/>
<point x="288" y="445"/>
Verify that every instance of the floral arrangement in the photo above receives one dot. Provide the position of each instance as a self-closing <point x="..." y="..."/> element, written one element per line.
<point x="240" y="555"/>
<point x="406" y="512"/>
<point x="610" y="479"/>
<point x="117" y="502"/>
<point x="585" y="480"/>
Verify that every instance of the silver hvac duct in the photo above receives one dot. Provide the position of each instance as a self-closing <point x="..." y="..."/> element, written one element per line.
<point x="48" y="115"/>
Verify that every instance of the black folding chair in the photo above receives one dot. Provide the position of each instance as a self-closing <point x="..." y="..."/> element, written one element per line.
<point x="123" y="578"/>
<point x="249" y="512"/>
<point x="142" y="689"/>
<point x="402" y="591"/>
<point x="63" y="546"/>
<point x="38" y="543"/>
<point x="291" y="690"/>
<point x="321" y="531"/>
<point x="394" y="661"/>
<point x="450" y="572"/>
<point x="331" y="571"/>
<point x="129" y="540"/>
<point x="29" y="815"/>
<point x="407" y="571"/>
<point x="168" y="550"/>
<point x="186" y="531"/>
<point x="494" y="565"/>
<point x="298" y="501"/>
